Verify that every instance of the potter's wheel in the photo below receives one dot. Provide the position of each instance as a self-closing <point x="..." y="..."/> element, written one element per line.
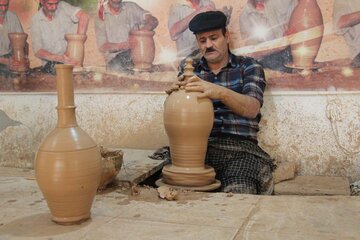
<point x="205" y="188"/>
<point x="78" y="69"/>
<point x="315" y="66"/>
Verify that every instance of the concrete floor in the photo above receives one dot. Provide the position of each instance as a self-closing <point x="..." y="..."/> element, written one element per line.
<point x="116" y="214"/>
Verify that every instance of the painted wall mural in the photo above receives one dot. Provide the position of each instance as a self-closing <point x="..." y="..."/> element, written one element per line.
<point x="135" y="46"/>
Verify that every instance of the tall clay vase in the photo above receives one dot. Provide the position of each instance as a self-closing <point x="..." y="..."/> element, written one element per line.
<point x="17" y="43"/>
<point x="68" y="163"/>
<point x="306" y="25"/>
<point x="75" y="47"/>
<point x="188" y="122"/>
<point x="142" y="49"/>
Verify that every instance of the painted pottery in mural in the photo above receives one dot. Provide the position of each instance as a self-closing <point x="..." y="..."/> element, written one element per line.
<point x="75" y="47"/>
<point x="68" y="163"/>
<point x="188" y="122"/>
<point x="142" y="49"/>
<point x="306" y="25"/>
<point x="17" y="43"/>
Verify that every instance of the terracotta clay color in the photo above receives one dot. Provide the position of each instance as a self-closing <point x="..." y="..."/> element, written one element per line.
<point x="306" y="23"/>
<point x="17" y="43"/>
<point x="188" y="123"/>
<point x="142" y="49"/>
<point x="68" y="162"/>
<point x="75" y="47"/>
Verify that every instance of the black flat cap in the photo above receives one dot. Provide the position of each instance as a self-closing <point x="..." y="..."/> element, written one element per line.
<point x="207" y="21"/>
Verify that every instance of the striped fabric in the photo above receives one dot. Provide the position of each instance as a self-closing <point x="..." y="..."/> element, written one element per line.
<point x="241" y="166"/>
<point x="243" y="75"/>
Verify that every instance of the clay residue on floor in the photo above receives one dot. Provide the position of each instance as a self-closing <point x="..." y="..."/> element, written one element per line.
<point x="125" y="193"/>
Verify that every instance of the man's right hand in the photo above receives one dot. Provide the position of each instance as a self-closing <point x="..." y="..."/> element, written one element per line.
<point x="176" y="86"/>
<point x="206" y="8"/>
<point x="68" y="60"/>
<point x="13" y="63"/>
<point x="5" y="61"/>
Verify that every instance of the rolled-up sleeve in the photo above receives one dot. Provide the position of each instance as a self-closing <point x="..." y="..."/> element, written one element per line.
<point x="100" y="30"/>
<point x="35" y="34"/>
<point x="70" y="10"/>
<point x="254" y="80"/>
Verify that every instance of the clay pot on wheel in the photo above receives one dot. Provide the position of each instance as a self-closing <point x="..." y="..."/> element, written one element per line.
<point x="17" y="43"/>
<point x="142" y="49"/>
<point x="188" y="123"/>
<point x="75" y="47"/>
<point x="68" y="162"/>
<point x="306" y="25"/>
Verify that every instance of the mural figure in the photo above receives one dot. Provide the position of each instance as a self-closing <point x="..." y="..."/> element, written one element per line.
<point x="9" y="23"/>
<point x="180" y="15"/>
<point x="237" y="95"/>
<point x="115" y="21"/>
<point x="346" y="18"/>
<point x="266" y="20"/>
<point x="49" y="25"/>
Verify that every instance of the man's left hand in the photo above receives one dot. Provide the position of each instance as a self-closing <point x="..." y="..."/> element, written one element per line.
<point x="207" y="89"/>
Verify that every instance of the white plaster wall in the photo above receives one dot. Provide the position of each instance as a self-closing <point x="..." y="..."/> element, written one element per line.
<point x="318" y="130"/>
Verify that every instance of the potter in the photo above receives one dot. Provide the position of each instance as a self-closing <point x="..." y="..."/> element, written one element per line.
<point x="49" y="26"/>
<point x="346" y="19"/>
<point x="124" y="34"/>
<point x="235" y="84"/>
<point x="13" y="45"/>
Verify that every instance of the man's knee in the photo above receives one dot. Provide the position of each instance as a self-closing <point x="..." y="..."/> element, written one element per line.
<point x="242" y="188"/>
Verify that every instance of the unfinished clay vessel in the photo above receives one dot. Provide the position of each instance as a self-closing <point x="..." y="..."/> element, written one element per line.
<point x="68" y="162"/>
<point x="142" y="49"/>
<point x="17" y="43"/>
<point x="75" y="47"/>
<point x="306" y="25"/>
<point x="188" y="123"/>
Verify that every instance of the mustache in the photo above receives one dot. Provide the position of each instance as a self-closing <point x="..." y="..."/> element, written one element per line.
<point x="210" y="50"/>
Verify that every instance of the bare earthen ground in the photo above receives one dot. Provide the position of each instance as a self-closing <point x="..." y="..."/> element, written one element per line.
<point x="123" y="214"/>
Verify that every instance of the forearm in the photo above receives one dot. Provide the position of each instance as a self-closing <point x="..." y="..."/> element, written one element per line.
<point x="349" y="20"/>
<point x="181" y="25"/>
<point x="150" y="23"/>
<point x="45" y="55"/>
<point x="5" y="61"/>
<point x="83" y="22"/>
<point x="114" y="47"/>
<point x="240" y="104"/>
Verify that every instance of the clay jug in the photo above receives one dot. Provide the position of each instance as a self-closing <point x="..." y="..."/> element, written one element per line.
<point x="188" y="122"/>
<point x="68" y="163"/>
<point x="17" y="43"/>
<point x="75" y="47"/>
<point x="306" y="25"/>
<point x="142" y="49"/>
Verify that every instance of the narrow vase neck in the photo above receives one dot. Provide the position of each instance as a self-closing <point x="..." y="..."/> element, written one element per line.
<point x="65" y="91"/>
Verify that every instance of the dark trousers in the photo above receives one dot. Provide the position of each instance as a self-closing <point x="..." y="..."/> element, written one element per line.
<point x="241" y="165"/>
<point x="277" y="60"/>
<point x="356" y="61"/>
<point x="4" y="69"/>
<point x="49" y="67"/>
<point x="122" y="62"/>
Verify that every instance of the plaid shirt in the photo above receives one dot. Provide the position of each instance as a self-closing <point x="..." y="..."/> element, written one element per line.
<point x="242" y="75"/>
